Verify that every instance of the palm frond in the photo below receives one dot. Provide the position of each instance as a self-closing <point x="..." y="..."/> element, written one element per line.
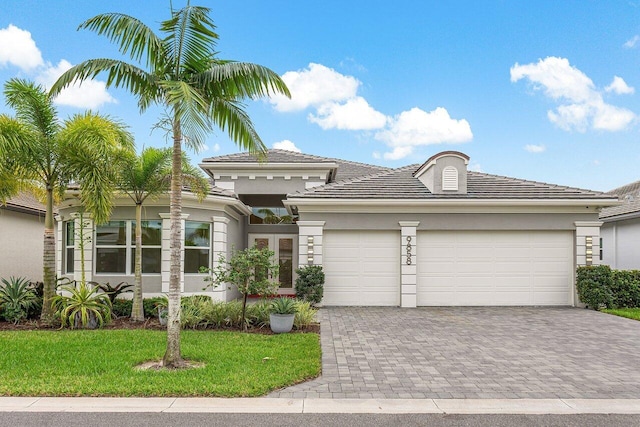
<point x="241" y="80"/>
<point x="193" y="177"/>
<point x="32" y="105"/>
<point x="191" y="109"/>
<point x="132" y="36"/>
<point x="232" y="118"/>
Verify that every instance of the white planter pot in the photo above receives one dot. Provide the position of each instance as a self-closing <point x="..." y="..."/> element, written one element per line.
<point x="281" y="323"/>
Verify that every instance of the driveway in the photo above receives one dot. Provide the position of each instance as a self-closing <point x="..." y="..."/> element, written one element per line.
<point x="475" y="353"/>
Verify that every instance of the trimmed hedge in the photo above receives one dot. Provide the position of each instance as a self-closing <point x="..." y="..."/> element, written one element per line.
<point x="600" y="287"/>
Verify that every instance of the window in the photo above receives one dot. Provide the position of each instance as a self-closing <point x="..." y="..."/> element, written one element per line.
<point x="151" y="246"/>
<point x="69" y="246"/>
<point x="197" y="244"/>
<point x="271" y="215"/>
<point x="450" y="178"/>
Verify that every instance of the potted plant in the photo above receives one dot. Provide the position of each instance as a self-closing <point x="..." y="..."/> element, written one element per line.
<point x="283" y="313"/>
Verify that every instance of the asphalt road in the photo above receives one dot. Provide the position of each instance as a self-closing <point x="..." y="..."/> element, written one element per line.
<point x="40" y="419"/>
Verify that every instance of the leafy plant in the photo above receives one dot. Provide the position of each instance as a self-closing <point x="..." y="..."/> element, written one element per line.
<point x="195" y="311"/>
<point x="593" y="284"/>
<point x="121" y="307"/>
<point x="249" y="270"/>
<point x="113" y="292"/>
<point x="625" y="287"/>
<point x="283" y="305"/>
<point x="86" y="307"/>
<point x="305" y="315"/>
<point x="16" y="298"/>
<point x="258" y="314"/>
<point x="310" y="283"/>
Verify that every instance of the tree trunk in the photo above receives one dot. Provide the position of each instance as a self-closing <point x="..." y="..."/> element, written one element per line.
<point x="137" y="308"/>
<point x="49" y="262"/>
<point x="173" y="357"/>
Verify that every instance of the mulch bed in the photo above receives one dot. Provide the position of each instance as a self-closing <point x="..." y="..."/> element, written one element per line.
<point x="125" y="323"/>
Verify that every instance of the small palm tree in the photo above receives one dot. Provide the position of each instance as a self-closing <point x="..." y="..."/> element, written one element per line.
<point x="149" y="175"/>
<point x="41" y="154"/>
<point x="183" y="74"/>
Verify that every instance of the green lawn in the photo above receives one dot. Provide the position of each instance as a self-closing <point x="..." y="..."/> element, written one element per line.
<point x="101" y="363"/>
<point x="631" y="313"/>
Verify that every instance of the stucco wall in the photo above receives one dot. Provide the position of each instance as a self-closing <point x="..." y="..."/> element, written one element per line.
<point x="22" y="244"/>
<point x="620" y="242"/>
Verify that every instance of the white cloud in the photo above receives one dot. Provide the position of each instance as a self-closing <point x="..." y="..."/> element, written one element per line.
<point x="355" y="114"/>
<point x="581" y="104"/>
<point x="216" y="148"/>
<point x="475" y="167"/>
<point x="314" y="86"/>
<point x="632" y="42"/>
<point x="88" y="94"/>
<point x="376" y="155"/>
<point x="19" y="49"/>
<point x="532" y="148"/>
<point x="286" y="145"/>
<point x="619" y="86"/>
<point x="417" y="127"/>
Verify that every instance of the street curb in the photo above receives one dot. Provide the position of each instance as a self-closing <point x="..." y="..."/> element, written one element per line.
<point x="320" y="406"/>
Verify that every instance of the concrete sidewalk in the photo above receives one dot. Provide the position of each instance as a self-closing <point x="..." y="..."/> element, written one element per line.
<point x="320" y="406"/>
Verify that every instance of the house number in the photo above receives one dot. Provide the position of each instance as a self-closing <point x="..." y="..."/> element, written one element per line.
<point x="408" y="250"/>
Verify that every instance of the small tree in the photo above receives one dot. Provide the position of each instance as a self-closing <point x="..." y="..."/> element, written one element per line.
<point x="309" y="284"/>
<point x="250" y="271"/>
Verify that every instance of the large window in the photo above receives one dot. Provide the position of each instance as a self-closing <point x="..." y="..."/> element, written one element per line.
<point x="271" y="215"/>
<point x="69" y="246"/>
<point x="197" y="245"/>
<point x="115" y="247"/>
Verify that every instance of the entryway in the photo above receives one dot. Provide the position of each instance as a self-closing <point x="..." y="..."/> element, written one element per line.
<point x="285" y="247"/>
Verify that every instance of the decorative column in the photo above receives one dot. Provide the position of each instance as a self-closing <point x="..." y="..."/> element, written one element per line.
<point x="166" y="252"/>
<point x="84" y="222"/>
<point x="587" y="243"/>
<point x="59" y="221"/>
<point x="220" y="247"/>
<point x="408" y="258"/>
<point x="310" y="242"/>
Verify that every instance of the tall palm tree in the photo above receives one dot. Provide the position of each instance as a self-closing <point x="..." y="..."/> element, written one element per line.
<point x="44" y="155"/>
<point x="149" y="175"/>
<point x="180" y="71"/>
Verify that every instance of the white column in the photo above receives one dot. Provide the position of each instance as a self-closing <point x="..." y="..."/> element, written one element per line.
<point x="310" y="242"/>
<point x="220" y="247"/>
<point x="587" y="242"/>
<point x="408" y="260"/>
<point x="59" y="220"/>
<point x="166" y="253"/>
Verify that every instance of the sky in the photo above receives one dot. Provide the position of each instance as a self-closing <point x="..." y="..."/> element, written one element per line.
<point x="538" y="90"/>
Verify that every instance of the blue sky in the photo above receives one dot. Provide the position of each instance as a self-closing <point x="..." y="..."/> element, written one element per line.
<point x="540" y="90"/>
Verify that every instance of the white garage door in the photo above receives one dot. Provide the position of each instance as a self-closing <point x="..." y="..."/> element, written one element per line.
<point x="494" y="268"/>
<point x="361" y="268"/>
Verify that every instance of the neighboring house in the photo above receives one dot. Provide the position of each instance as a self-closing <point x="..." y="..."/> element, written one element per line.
<point x="22" y="231"/>
<point x="422" y="235"/>
<point x="620" y="232"/>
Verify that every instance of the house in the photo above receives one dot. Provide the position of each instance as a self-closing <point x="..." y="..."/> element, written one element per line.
<point x="433" y="234"/>
<point x="620" y="232"/>
<point x="21" y="221"/>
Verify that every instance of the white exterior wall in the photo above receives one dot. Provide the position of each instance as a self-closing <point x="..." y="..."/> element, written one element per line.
<point x="22" y="242"/>
<point x="621" y="244"/>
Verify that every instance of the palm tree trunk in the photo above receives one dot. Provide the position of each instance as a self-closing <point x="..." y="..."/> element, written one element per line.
<point x="137" y="308"/>
<point x="172" y="357"/>
<point x="49" y="261"/>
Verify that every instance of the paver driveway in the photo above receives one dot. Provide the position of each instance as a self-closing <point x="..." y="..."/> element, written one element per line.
<point x="484" y="352"/>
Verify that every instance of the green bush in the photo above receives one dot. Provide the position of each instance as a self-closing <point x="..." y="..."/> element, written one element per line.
<point x="594" y="284"/>
<point x="305" y="315"/>
<point x="150" y="306"/>
<point x="121" y="307"/>
<point x="258" y="314"/>
<point x="625" y="288"/>
<point x="17" y="297"/>
<point x="310" y="283"/>
<point x="85" y="307"/>
<point x="195" y="311"/>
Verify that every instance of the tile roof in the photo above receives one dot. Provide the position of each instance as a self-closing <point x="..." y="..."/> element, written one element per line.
<point x="346" y="169"/>
<point x="629" y="195"/>
<point x="26" y="202"/>
<point x="400" y="184"/>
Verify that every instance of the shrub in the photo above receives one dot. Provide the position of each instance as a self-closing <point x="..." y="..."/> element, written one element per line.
<point x="594" y="284"/>
<point x="305" y="315"/>
<point x="625" y="287"/>
<point x="195" y="311"/>
<point x="16" y="298"/>
<point x="121" y="307"/>
<point x="86" y="307"/>
<point x="150" y="306"/>
<point x="113" y="292"/>
<point x="258" y="314"/>
<point x="309" y="284"/>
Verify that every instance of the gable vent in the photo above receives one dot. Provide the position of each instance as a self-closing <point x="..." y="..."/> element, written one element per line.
<point x="450" y="179"/>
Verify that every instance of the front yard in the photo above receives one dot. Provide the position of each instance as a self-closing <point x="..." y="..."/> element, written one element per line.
<point x="630" y="313"/>
<point x="103" y="363"/>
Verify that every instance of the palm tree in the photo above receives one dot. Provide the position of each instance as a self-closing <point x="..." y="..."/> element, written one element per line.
<point x="149" y="175"/>
<point x="43" y="155"/>
<point x="199" y="92"/>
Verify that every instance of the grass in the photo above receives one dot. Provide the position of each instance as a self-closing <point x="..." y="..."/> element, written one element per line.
<point x="102" y="363"/>
<point x="630" y="313"/>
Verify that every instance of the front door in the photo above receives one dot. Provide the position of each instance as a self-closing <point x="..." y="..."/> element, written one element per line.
<point x="285" y="247"/>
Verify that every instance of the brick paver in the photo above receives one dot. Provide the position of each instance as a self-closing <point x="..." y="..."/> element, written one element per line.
<point x="477" y="353"/>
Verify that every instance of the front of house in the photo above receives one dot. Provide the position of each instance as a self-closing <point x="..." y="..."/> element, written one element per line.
<point x="434" y="234"/>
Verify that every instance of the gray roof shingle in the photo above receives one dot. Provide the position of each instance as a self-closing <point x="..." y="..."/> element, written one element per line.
<point x="401" y="184"/>
<point x="629" y="195"/>
<point x="26" y="202"/>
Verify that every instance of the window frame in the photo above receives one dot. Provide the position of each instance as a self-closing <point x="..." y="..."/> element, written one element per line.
<point x="185" y="248"/>
<point x="67" y="247"/>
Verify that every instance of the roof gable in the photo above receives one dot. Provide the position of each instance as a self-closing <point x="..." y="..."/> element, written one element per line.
<point x="629" y="196"/>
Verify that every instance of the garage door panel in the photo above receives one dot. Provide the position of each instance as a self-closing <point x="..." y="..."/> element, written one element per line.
<point x="495" y="268"/>
<point x="361" y="268"/>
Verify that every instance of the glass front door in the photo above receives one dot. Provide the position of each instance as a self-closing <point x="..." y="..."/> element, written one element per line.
<point x="285" y="248"/>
